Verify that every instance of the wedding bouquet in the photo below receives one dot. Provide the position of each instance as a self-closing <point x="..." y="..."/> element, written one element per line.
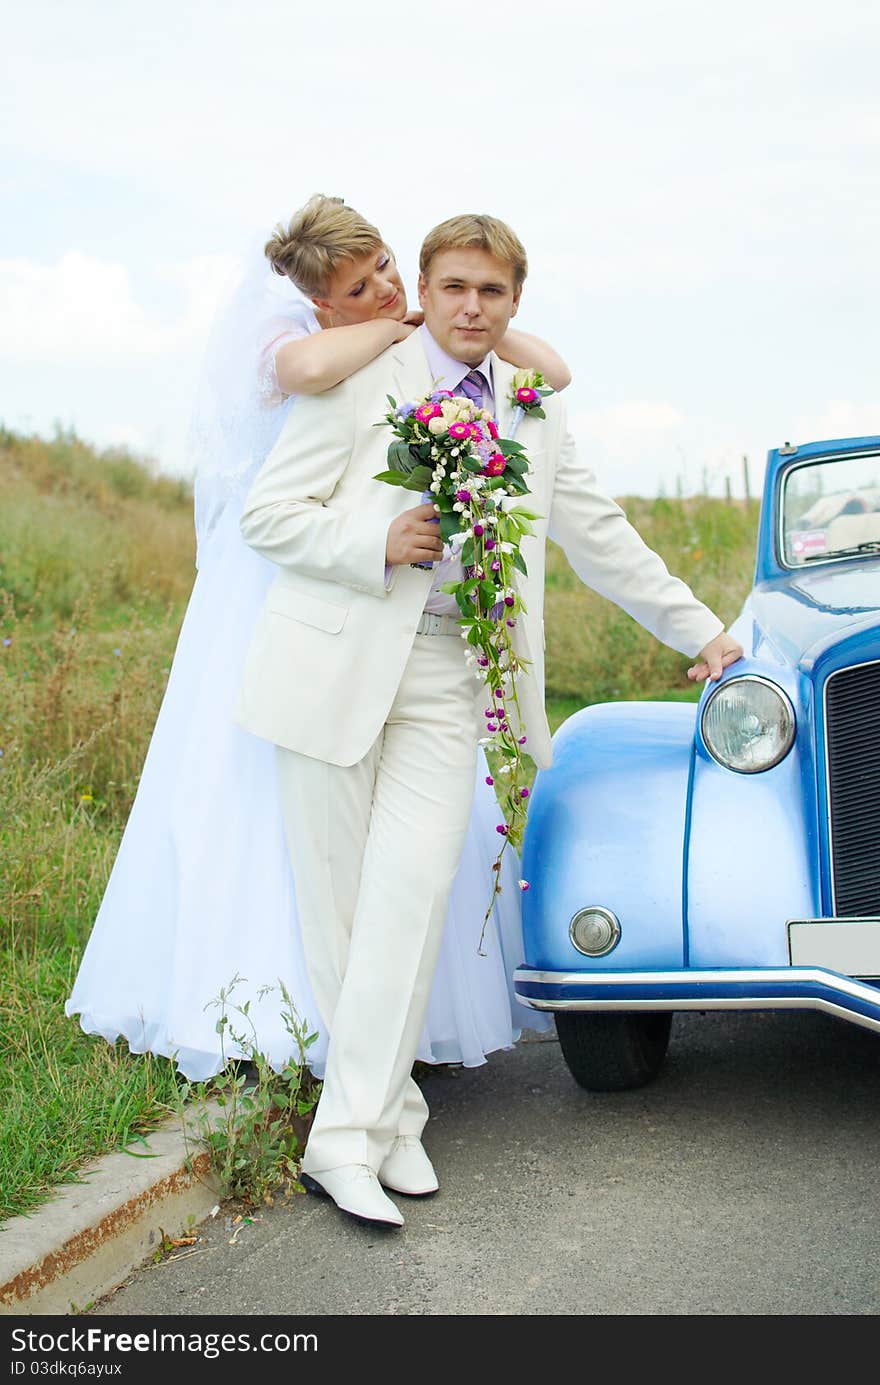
<point x="451" y="451"/>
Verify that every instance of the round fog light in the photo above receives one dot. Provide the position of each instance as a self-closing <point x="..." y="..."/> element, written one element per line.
<point x="594" y="931"/>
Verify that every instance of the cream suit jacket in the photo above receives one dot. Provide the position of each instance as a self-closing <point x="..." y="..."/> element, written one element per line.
<point x="332" y="641"/>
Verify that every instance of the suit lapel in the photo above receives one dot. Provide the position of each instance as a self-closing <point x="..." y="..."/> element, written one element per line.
<point x="502" y="377"/>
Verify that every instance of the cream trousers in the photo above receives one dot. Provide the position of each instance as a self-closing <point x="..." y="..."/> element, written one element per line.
<point x="374" y="848"/>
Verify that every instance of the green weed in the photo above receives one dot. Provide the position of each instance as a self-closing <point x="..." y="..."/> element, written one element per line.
<point x="256" y="1144"/>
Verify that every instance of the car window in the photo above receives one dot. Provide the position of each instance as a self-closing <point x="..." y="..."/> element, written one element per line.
<point x="831" y="509"/>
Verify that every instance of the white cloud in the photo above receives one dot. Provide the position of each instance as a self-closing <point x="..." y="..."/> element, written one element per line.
<point x="839" y="418"/>
<point x="614" y="425"/>
<point x="84" y="310"/>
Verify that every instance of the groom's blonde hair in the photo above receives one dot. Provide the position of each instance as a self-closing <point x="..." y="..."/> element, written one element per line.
<point x="321" y="236"/>
<point x="476" y="232"/>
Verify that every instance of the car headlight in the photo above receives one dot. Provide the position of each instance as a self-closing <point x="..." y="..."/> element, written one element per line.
<point x="748" y="724"/>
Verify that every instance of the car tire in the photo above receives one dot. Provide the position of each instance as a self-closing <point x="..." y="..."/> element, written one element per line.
<point x="613" y="1052"/>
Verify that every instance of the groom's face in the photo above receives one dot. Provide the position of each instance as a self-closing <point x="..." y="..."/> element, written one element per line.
<point x="468" y="298"/>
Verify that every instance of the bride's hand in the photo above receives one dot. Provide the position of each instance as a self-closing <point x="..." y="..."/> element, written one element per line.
<point x="409" y="324"/>
<point x="406" y="327"/>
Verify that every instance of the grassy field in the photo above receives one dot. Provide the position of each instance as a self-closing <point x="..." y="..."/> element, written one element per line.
<point x="96" y="563"/>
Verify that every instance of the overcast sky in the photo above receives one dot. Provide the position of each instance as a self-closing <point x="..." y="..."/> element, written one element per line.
<point x="698" y="188"/>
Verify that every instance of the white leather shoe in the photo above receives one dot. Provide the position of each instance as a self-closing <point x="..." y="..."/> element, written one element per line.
<point x="355" y="1189"/>
<point x="407" y="1169"/>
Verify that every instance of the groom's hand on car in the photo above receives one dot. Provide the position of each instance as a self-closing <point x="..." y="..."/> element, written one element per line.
<point x="715" y="658"/>
<point x="413" y="537"/>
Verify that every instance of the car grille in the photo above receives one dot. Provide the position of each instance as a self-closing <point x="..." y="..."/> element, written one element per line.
<point x="852" y="712"/>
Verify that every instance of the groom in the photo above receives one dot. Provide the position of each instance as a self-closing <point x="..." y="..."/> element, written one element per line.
<point x="357" y="673"/>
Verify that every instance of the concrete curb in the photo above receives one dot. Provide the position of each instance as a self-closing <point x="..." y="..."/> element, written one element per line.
<point x="91" y="1235"/>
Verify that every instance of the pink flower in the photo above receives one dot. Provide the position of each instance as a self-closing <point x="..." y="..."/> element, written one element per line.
<point x="463" y="496"/>
<point x="526" y="395"/>
<point x="475" y="431"/>
<point x="523" y="884"/>
<point x="493" y="429"/>
<point x="459" y="431"/>
<point x="427" y="412"/>
<point x="496" y="464"/>
<point x="479" y="530"/>
<point x="489" y="780"/>
<point x="502" y="829"/>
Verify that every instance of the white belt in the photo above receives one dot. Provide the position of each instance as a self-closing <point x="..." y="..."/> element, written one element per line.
<point x="430" y="624"/>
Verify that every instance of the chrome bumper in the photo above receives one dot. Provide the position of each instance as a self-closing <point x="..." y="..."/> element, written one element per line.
<point x="765" y="988"/>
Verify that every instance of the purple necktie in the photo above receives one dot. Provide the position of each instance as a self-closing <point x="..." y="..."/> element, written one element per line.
<point x="473" y="385"/>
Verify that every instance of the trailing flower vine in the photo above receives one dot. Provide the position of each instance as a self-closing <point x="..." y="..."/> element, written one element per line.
<point x="451" y="451"/>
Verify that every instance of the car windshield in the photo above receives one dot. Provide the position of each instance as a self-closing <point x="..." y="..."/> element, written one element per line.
<point x="831" y="509"/>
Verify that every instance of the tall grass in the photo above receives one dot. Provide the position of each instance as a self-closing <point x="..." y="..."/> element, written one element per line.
<point x="96" y="560"/>
<point x="96" y="563"/>
<point x="595" y="652"/>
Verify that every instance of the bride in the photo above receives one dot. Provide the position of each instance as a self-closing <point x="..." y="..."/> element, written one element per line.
<point x="201" y="899"/>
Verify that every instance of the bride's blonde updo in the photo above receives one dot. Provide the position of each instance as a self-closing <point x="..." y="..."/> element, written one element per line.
<point x="320" y="236"/>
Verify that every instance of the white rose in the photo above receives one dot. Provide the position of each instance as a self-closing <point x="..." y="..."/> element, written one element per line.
<point x="437" y="425"/>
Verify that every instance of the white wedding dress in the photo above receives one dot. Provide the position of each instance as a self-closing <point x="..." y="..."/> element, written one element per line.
<point x="201" y="892"/>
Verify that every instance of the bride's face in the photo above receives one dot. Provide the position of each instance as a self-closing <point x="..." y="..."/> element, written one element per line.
<point x="362" y="289"/>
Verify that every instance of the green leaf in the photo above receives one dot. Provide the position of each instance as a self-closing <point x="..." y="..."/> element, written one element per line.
<point x="449" y="524"/>
<point x="417" y="480"/>
<point x="468" y="553"/>
<point x="519" y="563"/>
<point x="391" y="400"/>
<point x="400" y="456"/>
<point x="393" y="478"/>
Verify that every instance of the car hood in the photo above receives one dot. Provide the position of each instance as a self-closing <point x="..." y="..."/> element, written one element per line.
<point x="786" y="618"/>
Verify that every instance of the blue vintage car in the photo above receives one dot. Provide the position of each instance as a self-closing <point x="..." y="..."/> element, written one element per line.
<point x="726" y="856"/>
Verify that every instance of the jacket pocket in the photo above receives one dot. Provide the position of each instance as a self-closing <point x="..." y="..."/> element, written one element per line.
<point x="308" y="610"/>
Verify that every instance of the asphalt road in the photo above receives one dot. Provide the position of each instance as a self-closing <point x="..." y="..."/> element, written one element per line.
<point x="742" y="1181"/>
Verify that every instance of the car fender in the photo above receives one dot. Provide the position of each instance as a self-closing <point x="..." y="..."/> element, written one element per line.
<point x="752" y="857"/>
<point x="607" y="827"/>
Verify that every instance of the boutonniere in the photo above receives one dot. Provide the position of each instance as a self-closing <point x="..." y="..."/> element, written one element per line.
<point x="451" y="451"/>
<point x="527" y="389"/>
